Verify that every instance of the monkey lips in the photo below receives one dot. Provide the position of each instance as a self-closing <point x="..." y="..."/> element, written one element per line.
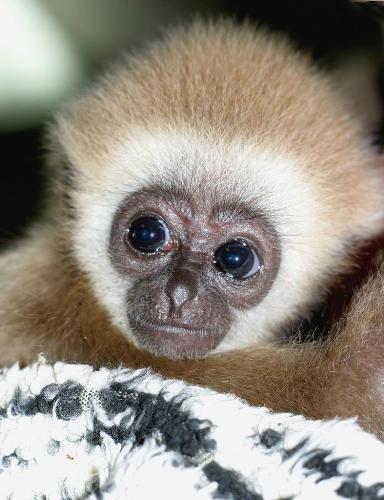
<point x="174" y="342"/>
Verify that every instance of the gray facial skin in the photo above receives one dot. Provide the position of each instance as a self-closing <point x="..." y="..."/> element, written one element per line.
<point x="180" y="303"/>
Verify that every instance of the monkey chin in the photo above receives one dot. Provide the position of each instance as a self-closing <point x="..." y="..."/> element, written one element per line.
<point x="174" y="342"/>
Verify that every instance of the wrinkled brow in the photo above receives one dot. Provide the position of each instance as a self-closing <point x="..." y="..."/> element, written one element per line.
<point x="234" y="210"/>
<point x="178" y="196"/>
<point x="221" y="204"/>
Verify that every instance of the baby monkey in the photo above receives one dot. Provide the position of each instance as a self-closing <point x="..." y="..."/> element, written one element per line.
<point x="204" y="196"/>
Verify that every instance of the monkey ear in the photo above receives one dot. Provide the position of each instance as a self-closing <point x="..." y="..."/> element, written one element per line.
<point x="55" y="157"/>
<point x="358" y="78"/>
<point x="59" y="171"/>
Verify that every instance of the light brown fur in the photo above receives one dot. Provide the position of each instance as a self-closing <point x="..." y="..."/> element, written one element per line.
<point x="226" y="83"/>
<point x="216" y="79"/>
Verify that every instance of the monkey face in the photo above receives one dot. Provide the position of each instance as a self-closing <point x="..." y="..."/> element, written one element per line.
<point x="194" y="258"/>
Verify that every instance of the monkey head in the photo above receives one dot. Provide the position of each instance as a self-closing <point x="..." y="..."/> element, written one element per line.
<point x="211" y="187"/>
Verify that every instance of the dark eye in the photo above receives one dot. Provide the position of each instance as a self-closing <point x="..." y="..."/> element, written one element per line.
<point x="237" y="259"/>
<point x="148" y="234"/>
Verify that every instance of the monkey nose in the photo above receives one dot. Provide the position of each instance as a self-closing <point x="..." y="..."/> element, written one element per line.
<point x="181" y="288"/>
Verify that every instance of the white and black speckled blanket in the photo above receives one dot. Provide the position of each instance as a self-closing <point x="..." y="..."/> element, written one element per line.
<point x="72" y="432"/>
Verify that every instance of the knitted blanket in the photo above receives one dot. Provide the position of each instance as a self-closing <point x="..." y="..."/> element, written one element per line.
<point x="72" y="432"/>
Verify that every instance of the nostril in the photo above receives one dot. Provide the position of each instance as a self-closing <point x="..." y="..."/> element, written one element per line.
<point x="179" y="294"/>
<point x="181" y="288"/>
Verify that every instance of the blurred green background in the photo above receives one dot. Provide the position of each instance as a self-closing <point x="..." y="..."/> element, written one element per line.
<point x="50" y="48"/>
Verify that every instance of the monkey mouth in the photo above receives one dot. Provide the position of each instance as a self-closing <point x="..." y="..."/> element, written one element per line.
<point x="174" y="341"/>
